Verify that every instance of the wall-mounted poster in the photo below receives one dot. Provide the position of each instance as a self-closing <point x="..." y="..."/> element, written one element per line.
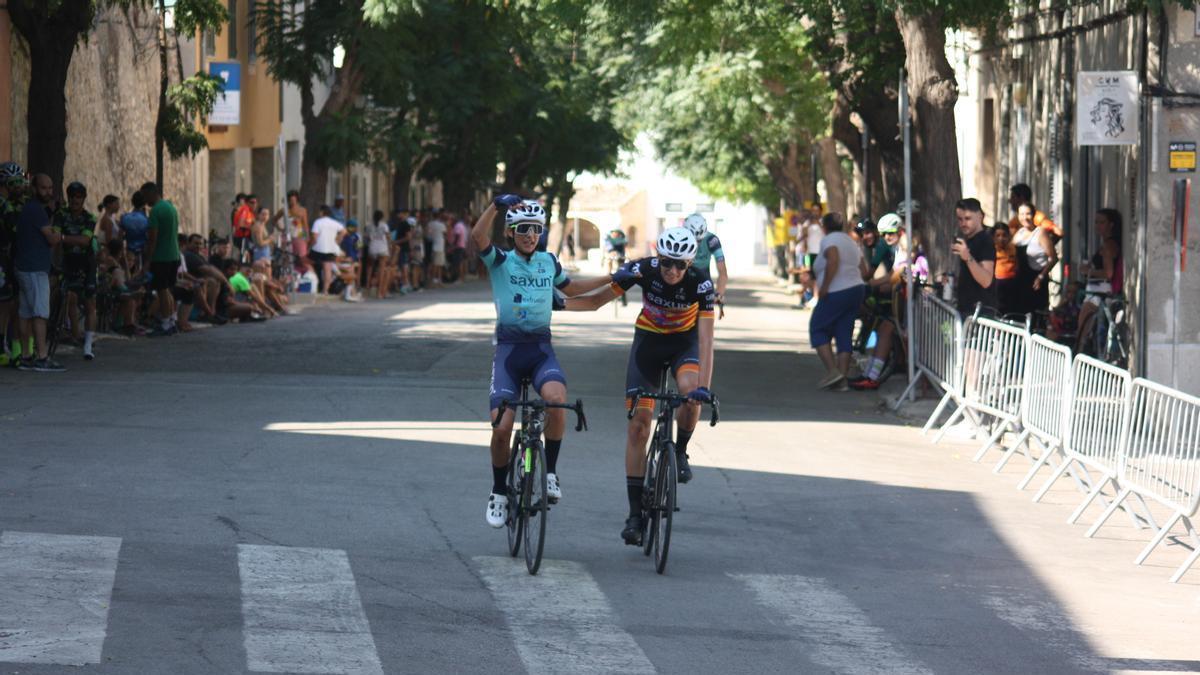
<point x="227" y="110"/>
<point x="1106" y="107"/>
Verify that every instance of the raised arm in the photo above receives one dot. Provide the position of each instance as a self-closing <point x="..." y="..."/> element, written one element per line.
<point x="481" y="233"/>
<point x="590" y="303"/>
<point x="579" y="287"/>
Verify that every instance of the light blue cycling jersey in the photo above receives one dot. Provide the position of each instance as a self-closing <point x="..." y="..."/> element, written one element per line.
<point x="709" y="246"/>
<point x="523" y="290"/>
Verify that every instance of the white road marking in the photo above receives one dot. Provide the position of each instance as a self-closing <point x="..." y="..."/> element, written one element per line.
<point x="838" y="635"/>
<point x="55" y="591"/>
<point x="302" y="612"/>
<point x="426" y="432"/>
<point x="1045" y="623"/>
<point x="560" y="619"/>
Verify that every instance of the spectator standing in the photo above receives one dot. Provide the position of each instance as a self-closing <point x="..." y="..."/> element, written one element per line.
<point x="416" y="276"/>
<point x="1104" y="272"/>
<point x="1040" y="257"/>
<point x="458" y="249"/>
<point x="840" y="291"/>
<point x="12" y="191"/>
<point x="106" y="228"/>
<point x="243" y="224"/>
<point x="379" y="256"/>
<point x="435" y="233"/>
<point x="162" y="246"/>
<point x="260" y="236"/>
<point x="298" y="216"/>
<point x="327" y="235"/>
<point x="1008" y="292"/>
<point x="975" y="250"/>
<point x="133" y="228"/>
<point x="338" y="212"/>
<point x="77" y="227"/>
<point x="813" y="233"/>
<point x="1023" y="194"/>
<point x="35" y="242"/>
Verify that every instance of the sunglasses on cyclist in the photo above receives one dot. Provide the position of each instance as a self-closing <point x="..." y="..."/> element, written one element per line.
<point x="536" y="229"/>
<point x="671" y="263"/>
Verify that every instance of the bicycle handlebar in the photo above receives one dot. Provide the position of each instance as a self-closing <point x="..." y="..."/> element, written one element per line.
<point x="580" y="418"/>
<point x="674" y="400"/>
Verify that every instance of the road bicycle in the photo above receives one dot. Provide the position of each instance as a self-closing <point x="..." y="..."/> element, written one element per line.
<point x="662" y="471"/>
<point x="528" y="504"/>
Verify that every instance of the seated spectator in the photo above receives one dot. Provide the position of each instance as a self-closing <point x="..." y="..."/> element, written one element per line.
<point x="347" y="273"/>
<point x="270" y="289"/>
<point x="107" y="228"/>
<point x="880" y="289"/>
<point x="1104" y="273"/>
<point x="211" y="279"/>
<point x="246" y="291"/>
<point x="186" y="290"/>
<point x="234" y="305"/>
<point x="113" y="266"/>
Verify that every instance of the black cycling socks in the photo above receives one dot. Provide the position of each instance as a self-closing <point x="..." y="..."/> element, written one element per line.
<point x="499" y="480"/>
<point x="633" y="487"/>
<point x="552" y="448"/>
<point x="682" y="437"/>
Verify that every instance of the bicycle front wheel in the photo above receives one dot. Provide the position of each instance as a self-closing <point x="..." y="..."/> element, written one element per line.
<point x="514" y="499"/>
<point x="664" y="505"/>
<point x="534" y="506"/>
<point x="648" y="499"/>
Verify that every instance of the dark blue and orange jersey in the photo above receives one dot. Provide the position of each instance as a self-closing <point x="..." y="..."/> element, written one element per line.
<point x="665" y="308"/>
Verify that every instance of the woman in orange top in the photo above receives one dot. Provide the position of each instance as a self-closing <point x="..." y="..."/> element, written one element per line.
<point x="1006" y="270"/>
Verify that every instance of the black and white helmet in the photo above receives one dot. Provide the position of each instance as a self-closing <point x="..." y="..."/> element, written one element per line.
<point x="678" y="243"/>
<point x="527" y="211"/>
<point x="696" y="224"/>
<point x="11" y="172"/>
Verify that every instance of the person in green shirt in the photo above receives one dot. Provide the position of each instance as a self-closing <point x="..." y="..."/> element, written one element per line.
<point x="162" y="246"/>
<point x="247" y="303"/>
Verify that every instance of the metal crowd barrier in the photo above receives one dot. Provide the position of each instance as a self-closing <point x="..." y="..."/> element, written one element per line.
<point x="1044" y="406"/>
<point x="1161" y="461"/>
<point x="993" y="365"/>
<point x="937" y="345"/>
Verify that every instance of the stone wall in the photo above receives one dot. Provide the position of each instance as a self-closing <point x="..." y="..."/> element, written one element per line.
<point x="112" y="105"/>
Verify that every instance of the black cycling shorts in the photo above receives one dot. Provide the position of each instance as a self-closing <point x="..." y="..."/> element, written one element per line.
<point x="80" y="277"/>
<point x="652" y="353"/>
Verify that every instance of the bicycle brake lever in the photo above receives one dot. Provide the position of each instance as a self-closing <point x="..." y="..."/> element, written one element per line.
<point x="716" y="414"/>
<point x="634" y="404"/>
<point x="580" y="418"/>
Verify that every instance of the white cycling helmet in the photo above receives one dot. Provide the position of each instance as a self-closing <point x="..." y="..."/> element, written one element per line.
<point x="696" y="224"/>
<point x="678" y="243"/>
<point x="890" y="224"/>
<point x="527" y="211"/>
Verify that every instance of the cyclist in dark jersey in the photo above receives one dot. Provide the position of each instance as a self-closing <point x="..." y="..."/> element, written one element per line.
<point x="675" y="330"/>
<point x="78" y="229"/>
<point x="12" y="182"/>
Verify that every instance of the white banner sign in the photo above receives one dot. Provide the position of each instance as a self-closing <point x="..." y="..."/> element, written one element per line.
<point x="1106" y="107"/>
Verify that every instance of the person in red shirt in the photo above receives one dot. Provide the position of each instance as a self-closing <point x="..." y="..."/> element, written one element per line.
<point x="243" y="221"/>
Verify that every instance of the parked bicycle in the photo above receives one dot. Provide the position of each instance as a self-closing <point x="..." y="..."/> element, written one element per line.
<point x="1108" y="337"/>
<point x="662" y="472"/>
<point x="529" y="504"/>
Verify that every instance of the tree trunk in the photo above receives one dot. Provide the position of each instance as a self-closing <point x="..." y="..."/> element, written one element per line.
<point x="791" y="173"/>
<point x="933" y="91"/>
<point x="835" y="179"/>
<point x="343" y="93"/>
<point x="51" y="40"/>
<point x="402" y="176"/>
<point x="163" y="81"/>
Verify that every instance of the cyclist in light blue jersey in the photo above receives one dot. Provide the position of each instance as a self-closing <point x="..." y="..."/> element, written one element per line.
<point x="524" y="280"/>
<point x="709" y="246"/>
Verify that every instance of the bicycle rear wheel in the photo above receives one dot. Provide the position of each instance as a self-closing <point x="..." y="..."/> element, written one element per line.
<point x="58" y="309"/>
<point x="534" y="507"/>
<point x="648" y="497"/>
<point x="514" y="499"/>
<point x="664" y="505"/>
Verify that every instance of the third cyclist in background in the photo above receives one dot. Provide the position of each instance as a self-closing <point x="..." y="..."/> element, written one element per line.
<point x="708" y="246"/>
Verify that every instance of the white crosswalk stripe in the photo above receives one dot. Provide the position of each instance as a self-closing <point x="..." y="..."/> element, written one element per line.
<point x="55" y="591"/>
<point x="302" y="613"/>
<point x="560" y="619"/>
<point x="836" y="633"/>
<point x="1044" y="623"/>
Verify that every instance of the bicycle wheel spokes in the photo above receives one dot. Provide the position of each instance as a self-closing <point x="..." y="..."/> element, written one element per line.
<point x="664" y="506"/>
<point x="534" y="508"/>
<point x="514" y="499"/>
<point x="648" y="498"/>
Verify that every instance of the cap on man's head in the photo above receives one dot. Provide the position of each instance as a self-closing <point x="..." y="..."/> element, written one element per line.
<point x="340" y="198"/>
<point x="352" y="223"/>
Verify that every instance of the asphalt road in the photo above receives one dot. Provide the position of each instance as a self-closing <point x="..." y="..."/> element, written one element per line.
<point x="307" y="495"/>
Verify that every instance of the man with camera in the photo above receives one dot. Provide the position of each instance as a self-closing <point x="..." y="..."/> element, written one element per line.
<point x="976" y="253"/>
